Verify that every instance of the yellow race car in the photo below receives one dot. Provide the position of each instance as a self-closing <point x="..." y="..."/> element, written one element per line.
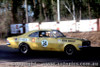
<point x="47" y="40"/>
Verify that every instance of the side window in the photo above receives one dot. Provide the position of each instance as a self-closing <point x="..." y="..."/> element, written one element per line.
<point x="44" y="34"/>
<point x="56" y="33"/>
<point x="36" y="34"/>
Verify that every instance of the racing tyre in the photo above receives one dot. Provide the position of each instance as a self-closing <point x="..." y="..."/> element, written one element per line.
<point x="24" y="49"/>
<point x="70" y="50"/>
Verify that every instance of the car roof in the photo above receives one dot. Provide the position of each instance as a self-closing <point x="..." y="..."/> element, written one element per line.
<point x="38" y="30"/>
<point x="42" y="30"/>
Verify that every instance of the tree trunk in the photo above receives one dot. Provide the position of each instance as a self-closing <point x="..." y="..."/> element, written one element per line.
<point x="89" y="12"/>
<point x="40" y="8"/>
<point x="80" y="11"/>
<point x="44" y="10"/>
<point x="54" y="11"/>
<point x="73" y="9"/>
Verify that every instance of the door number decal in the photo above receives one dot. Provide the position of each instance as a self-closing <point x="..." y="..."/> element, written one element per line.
<point x="44" y="43"/>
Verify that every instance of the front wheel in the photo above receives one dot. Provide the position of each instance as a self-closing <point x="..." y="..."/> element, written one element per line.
<point x="24" y="48"/>
<point x="70" y="50"/>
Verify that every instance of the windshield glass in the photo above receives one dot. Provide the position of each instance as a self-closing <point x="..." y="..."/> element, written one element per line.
<point x="56" y="33"/>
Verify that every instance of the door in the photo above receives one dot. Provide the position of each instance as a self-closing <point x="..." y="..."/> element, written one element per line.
<point x="34" y="43"/>
<point x="48" y="42"/>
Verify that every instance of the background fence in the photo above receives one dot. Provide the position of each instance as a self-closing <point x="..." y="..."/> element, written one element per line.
<point x="63" y="26"/>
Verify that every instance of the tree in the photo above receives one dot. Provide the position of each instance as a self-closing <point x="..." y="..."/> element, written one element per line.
<point x="18" y="11"/>
<point x="5" y="17"/>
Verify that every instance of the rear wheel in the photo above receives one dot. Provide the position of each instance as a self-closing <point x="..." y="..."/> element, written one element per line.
<point x="24" y="48"/>
<point x="70" y="50"/>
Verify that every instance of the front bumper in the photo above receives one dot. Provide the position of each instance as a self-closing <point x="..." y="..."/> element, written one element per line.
<point x="84" y="46"/>
<point x="7" y="43"/>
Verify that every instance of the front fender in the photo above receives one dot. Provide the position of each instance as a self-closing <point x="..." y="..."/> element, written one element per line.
<point x="75" y="45"/>
<point x="12" y="43"/>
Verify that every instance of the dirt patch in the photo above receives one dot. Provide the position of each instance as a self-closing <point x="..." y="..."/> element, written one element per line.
<point x="94" y="37"/>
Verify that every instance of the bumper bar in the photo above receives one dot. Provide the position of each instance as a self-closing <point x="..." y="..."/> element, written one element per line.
<point x="7" y="43"/>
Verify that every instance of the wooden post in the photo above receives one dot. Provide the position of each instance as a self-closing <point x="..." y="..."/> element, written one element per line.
<point x="98" y="24"/>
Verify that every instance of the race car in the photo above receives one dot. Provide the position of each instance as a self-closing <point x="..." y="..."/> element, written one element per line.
<point x="47" y="40"/>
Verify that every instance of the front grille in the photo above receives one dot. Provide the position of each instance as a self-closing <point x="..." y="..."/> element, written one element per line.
<point x="86" y="43"/>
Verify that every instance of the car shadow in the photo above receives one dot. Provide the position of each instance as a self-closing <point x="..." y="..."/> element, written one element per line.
<point x="13" y="55"/>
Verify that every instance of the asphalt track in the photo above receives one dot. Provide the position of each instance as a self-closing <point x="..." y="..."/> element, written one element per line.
<point x="91" y="55"/>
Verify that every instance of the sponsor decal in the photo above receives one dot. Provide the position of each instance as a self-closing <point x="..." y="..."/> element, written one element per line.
<point x="33" y="40"/>
<point x="71" y="40"/>
<point x="23" y="39"/>
<point x="59" y="40"/>
<point x="44" y="43"/>
<point x="68" y="40"/>
<point x="64" y="40"/>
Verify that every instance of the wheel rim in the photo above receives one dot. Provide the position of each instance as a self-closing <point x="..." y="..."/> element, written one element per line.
<point x="69" y="51"/>
<point x="24" y="49"/>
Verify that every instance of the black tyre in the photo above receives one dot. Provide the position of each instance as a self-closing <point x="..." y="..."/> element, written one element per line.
<point x="24" y="48"/>
<point x="70" y="50"/>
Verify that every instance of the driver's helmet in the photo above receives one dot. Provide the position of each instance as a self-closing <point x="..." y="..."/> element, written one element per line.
<point x="43" y="34"/>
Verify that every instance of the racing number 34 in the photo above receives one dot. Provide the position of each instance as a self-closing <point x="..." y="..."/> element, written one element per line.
<point x="44" y="43"/>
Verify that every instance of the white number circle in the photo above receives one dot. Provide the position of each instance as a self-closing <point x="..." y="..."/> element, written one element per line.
<point x="44" y="43"/>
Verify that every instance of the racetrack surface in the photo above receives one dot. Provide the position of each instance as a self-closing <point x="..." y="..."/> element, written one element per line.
<point x="91" y="55"/>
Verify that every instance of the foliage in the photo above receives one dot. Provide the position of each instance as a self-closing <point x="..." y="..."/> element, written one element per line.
<point x="13" y="11"/>
<point x="5" y="17"/>
<point x="46" y="10"/>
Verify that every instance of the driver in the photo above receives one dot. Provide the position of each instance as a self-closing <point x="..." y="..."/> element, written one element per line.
<point x="48" y="34"/>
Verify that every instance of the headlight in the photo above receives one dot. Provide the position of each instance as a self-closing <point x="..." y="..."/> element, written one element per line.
<point x="7" y="42"/>
<point x="86" y="43"/>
